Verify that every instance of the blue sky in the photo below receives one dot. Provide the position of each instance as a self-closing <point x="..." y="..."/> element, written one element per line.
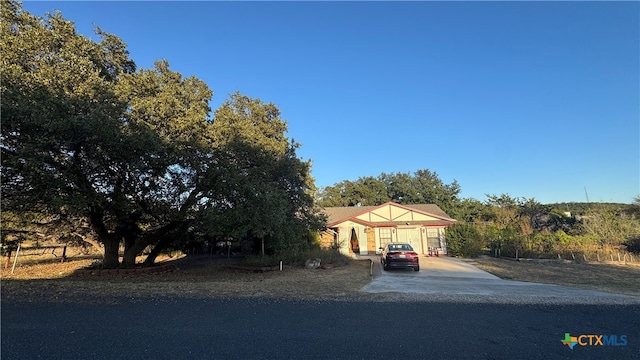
<point x="532" y="99"/>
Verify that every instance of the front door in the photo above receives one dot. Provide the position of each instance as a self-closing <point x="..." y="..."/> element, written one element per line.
<point x="354" y="242"/>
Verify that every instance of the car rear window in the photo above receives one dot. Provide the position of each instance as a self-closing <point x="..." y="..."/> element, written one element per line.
<point x="400" y="248"/>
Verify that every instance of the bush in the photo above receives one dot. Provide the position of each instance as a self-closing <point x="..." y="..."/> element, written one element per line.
<point x="298" y="258"/>
<point x="464" y="240"/>
<point x="633" y="245"/>
<point x="260" y="261"/>
<point x="326" y="256"/>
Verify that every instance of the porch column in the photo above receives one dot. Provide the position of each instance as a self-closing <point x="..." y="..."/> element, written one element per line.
<point x="362" y="241"/>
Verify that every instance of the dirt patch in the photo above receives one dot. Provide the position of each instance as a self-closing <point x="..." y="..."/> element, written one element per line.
<point x="612" y="277"/>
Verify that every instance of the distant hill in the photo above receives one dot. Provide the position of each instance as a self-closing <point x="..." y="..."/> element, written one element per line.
<point x="580" y="208"/>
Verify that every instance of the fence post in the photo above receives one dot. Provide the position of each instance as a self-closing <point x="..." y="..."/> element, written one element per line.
<point x="15" y="260"/>
<point x="8" y="262"/>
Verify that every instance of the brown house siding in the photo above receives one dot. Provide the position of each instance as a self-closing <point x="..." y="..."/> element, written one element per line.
<point x="327" y="240"/>
<point x="371" y="240"/>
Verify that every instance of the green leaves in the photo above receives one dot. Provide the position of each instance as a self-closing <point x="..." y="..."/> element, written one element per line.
<point x="421" y="187"/>
<point x="174" y="108"/>
<point x="250" y="121"/>
<point x="58" y="112"/>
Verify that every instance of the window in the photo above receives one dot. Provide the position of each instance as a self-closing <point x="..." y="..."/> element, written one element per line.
<point x="385" y="236"/>
<point x="433" y="238"/>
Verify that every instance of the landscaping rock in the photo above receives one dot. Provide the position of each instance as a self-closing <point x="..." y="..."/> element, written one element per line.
<point x="312" y="263"/>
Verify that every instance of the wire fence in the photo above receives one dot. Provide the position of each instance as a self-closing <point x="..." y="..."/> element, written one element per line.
<point x="598" y="256"/>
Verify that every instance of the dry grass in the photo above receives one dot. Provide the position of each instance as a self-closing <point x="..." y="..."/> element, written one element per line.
<point x="45" y="278"/>
<point x="47" y="266"/>
<point x="612" y="277"/>
<point x="54" y="281"/>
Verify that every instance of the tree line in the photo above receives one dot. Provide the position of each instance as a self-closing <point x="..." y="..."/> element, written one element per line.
<point x="99" y="149"/>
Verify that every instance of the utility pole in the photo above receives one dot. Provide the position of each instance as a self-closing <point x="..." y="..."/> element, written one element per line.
<point x="586" y="194"/>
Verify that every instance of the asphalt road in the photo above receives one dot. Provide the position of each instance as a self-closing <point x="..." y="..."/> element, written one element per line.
<point x="271" y="329"/>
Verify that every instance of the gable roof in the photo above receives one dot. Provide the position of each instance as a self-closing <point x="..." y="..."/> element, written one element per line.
<point x="336" y="215"/>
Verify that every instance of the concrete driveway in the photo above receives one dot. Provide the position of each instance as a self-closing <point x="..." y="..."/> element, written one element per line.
<point x="451" y="276"/>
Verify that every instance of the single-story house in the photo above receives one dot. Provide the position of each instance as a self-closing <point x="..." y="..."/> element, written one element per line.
<point x="364" y="229"/>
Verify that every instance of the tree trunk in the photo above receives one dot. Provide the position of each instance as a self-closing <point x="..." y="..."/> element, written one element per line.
<point x="131" y="251"/>
<point x="111" y="258"/>
<point x="153" y="254"/>
<point x="110" y="241"/>
<point x="129" y="258"/>
<point x="93" y="243"/>
<point x="166" y="234"/>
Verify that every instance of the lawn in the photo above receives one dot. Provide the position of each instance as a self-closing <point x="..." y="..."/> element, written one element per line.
<point x="610" y="276"/>
<point x="43" y="278"/>
<point x="211" y="278"/>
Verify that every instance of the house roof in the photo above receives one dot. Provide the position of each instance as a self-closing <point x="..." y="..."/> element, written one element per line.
<point x="340" y="214"/>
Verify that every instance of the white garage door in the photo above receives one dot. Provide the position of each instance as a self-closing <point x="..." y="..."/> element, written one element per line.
<point x="412" y="237"/>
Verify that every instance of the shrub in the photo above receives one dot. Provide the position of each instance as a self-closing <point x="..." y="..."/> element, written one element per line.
<point x="259" y="260"/>
<point x="297" y="258"/>
<point x="464" y="240"/>
<point x="633" y="245"/>
<point x="326" y="256"/>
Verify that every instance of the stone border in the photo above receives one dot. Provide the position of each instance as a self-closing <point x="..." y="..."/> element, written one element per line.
<point x="269" y="268"/>
<point x="124" y="272"/>
<point x="253" y="268"/>
<point x="171" y="268"/>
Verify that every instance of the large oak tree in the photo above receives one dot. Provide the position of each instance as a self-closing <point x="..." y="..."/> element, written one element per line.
<point x="134" y="152"/>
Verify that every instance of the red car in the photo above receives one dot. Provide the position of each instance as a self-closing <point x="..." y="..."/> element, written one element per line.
<point x="399" y="255"/>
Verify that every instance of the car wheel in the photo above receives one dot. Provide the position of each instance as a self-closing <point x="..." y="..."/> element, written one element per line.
<point x="417" y="268"/>
<point x="385" y="267"/>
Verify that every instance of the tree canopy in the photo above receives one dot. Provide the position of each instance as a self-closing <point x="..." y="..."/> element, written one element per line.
<point x="421" y="187"/>
<point x="134" y="153"/>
